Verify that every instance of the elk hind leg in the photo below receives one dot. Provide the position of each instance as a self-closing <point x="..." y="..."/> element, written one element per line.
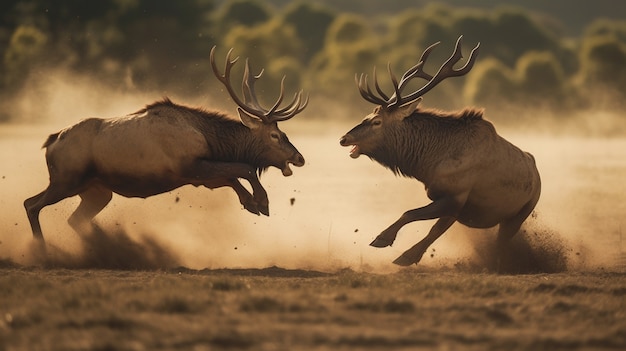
<point x="33" y="206"/>
<point x="54" y="193"/>
<point x="93" y="200"/>
<point x="415" y="253"/>
<point x="506" y="231"/>
<point x="509" y="227"/>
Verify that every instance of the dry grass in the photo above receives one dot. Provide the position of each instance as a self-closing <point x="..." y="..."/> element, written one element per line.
<point x="270" y="309"/>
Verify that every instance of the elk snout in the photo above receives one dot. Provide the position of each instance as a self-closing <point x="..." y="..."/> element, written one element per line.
<point x="297" y="160"/>
<point x="343" y="141"/>
<point x="346" y="140"/>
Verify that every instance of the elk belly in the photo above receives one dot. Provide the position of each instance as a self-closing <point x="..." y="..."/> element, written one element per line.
<point x="143" y="187"/>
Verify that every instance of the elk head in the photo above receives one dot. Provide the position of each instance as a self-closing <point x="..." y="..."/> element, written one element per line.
<point x="277" y="150"/>
<point x="368" y="137"/>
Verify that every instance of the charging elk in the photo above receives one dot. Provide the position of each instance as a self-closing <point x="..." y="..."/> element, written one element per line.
<point x="471" y="174"/>
<point x="165" y="146"/>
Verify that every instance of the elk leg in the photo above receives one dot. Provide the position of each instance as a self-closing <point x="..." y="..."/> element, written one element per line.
<point x="245" y="198"/>
<point x="209" y="171"/>
<point x="440" y="208"/>
<point x="33" y="208"/>
<point x="93" y="200"/>
<point x="54" y="193"/>
<point x="415" y="253"/>
<point x="508" y="228"/>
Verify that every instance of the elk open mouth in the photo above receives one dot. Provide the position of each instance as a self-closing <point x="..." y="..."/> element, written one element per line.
<point x="297" y="161"/>
<point x="355" y="152"/>
<point x="287" y="170"/>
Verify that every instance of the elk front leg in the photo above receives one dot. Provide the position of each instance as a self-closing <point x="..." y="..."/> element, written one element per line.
<point x="415" y="253"/>
<point x="447" y="206"/>
<point x="218" y="174"/>
<point x="245" y="198"/>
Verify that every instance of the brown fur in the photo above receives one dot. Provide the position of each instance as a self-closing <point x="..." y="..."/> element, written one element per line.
<point x="472" y="175"/>
<point x="159" y="148"/>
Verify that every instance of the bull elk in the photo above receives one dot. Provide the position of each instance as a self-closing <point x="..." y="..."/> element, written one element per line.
<point x="471" y="174"/>
<point x="165" y="146"/>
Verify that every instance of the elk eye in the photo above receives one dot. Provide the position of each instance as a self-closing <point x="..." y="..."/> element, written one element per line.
<point x="275" y="136"/>
<point x="377" y="122"/>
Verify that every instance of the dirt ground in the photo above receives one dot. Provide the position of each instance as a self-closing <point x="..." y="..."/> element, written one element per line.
<point x="188" y="269"/>
<point x="279" y="309"/>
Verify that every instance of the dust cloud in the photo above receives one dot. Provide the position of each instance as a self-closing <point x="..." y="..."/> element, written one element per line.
<point x="321" y="218"/>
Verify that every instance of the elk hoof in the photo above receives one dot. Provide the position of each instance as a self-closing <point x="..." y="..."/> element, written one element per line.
<point x="404" y="261"/>
<point x="252" y="208"/>
<point x="265" y="209"/>
<point x="379" y="242"/>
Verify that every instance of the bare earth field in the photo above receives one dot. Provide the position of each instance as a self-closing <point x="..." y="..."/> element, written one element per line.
<point x="277" y="309"/>
<point x="188" y="270"/>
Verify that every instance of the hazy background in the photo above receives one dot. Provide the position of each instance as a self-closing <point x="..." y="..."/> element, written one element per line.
<point x="551" y="75"/>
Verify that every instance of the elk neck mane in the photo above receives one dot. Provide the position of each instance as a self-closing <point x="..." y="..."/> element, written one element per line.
<point x="426" y="137"/>
<point x="466" y="114"/>
<point x="227" y="138"/>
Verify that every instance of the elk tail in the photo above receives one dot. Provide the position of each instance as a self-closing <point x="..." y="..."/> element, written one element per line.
<point x="51" y="139"/>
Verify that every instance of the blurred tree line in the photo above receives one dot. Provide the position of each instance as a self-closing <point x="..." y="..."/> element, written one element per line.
<point x="156" y="45"/>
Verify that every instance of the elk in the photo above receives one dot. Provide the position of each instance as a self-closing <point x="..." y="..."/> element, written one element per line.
<point x="471" y="174"/>
<point x="165" y="146"/>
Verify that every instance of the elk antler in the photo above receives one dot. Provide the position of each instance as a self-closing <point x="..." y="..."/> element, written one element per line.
<point x="446" y="70"/>
<point x="250" y="103"/>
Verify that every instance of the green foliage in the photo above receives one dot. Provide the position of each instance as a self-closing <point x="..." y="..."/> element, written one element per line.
<point x="536" y="82"/>
<point x="349" y="48"/>
<point x="603" y="68"/>
<point x="164" y="45"/>
<point x="26" y="47"/>
<point x="605" y="27"/>
<point x="540" y="75"/>
<point x="269" y="45"/>
<point x="602" y="59"/>
<point x="490" y="81"/>
<point x="243" y="12"/>
<point x="311" y="23"/>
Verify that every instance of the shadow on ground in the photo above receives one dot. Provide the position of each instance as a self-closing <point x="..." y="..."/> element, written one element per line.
<point x="108" y="249"/>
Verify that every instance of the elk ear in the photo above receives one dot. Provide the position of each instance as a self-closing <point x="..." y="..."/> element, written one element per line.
<point x="407" y="109"/>
<point x="247" y="120"/>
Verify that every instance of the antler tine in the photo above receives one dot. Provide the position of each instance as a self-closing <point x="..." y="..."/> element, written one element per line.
<point x="380" y="91"/>
<point x="293" y="108"/>
<point x="250" y="103"/>
<point x="225" y="80"/>
<point x="272" y="110"/>
<point x="249" y="95"/>
<point x="365" y="91"/>
<point x="397" y="88"/>
<point x="296" y="107"/>
<point x="289" y="107"/>
<point x="420" y="73"/>
<point x="415" y="71"/>
<point x="445" y="71"/>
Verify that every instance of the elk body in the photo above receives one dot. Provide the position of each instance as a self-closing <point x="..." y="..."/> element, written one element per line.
<point x="471" y="174"/>
<point x="165" y="146"/>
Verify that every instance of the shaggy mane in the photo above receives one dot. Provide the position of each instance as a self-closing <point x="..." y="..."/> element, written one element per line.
<point x="469" y="113"/>
<point x="166" y="102"/>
